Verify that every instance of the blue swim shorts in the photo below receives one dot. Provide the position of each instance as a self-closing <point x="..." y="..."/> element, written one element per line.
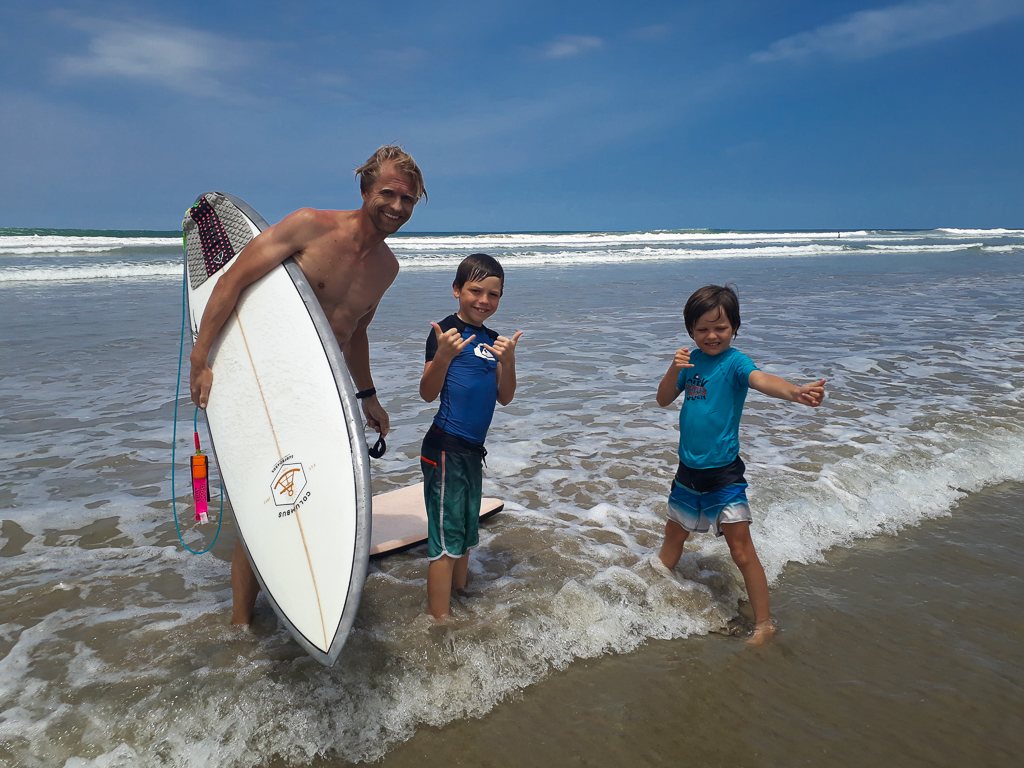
<point x="697" y="512"/>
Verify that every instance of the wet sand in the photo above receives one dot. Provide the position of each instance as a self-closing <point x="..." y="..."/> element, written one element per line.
<point x="900" y="651"/>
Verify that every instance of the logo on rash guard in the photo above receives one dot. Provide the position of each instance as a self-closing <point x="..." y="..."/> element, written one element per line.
<point x="695" y="389"/>
<point x="481" y="351"/>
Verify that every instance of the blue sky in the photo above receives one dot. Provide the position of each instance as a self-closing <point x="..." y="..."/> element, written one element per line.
<point x="523" y="115"/>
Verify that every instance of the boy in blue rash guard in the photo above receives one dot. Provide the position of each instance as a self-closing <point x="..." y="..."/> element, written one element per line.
<point x="471" y="367"/>
<point x="709" y="488"/>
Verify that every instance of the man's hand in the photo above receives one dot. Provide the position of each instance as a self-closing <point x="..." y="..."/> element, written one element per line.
<point x="450" y="342"/>
<point x="200" y="380"/>
<point x="812" y="394"/>
<point x="504" y="348"/>
<point x="681" y="360"/>
<point x="376" y="417"/>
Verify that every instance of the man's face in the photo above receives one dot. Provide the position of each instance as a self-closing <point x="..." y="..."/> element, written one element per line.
<point x="389" y="202"/>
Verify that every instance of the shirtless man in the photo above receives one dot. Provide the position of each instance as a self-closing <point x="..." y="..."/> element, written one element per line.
<point x="344" y="258"/>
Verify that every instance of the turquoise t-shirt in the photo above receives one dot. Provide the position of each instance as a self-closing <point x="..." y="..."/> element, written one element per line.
<point x="709" y="421"/>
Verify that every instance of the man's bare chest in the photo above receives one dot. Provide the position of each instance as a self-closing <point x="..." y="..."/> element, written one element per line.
<point x="347" y="289"/>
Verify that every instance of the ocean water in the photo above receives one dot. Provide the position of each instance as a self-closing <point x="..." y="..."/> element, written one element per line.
<point x="115" y="647"/>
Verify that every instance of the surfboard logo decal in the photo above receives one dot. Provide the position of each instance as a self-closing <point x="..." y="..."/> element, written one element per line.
<point x="288" y="484"/>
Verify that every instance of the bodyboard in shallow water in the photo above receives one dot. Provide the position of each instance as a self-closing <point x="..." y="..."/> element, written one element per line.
<point x="287" y="432"/>
<point x="400" y="519"/>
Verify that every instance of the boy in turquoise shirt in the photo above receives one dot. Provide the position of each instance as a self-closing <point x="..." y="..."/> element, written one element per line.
<point x="709" y="488"/>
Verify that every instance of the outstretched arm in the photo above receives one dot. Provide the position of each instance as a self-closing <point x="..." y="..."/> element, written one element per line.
<point x="262" y="254"/>
<point x="504" y="350"/>
<point x="775" y="386"/>
<point x="668" y="389"/>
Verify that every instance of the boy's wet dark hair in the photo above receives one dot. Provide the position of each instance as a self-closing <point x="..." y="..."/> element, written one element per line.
<point x="708" y="298"/>
<point x="477" y="267"/>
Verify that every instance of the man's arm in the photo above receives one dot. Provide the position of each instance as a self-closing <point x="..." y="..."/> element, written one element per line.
<point x="357" y="358"/>
<point x="262" y="254"/>
<point x="775" y="386"/>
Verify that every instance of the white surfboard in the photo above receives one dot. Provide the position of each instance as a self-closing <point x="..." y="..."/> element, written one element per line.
<point x="400" y="519"/>
<point x="287" y="432"/>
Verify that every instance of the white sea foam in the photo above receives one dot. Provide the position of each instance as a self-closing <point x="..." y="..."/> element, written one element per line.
<point x="518" y="240"/>
<point x="1016" y="248"/>
<point x="63" y="258"/>
<point x="982" y="232"/>
<point x="27" y="245"/>
<point x="606" y="597"/>
<point x="601" y="239"/>
<point x="923" y="248"/>
<point x="116" y="271"/>
<point x="557" y="258"/>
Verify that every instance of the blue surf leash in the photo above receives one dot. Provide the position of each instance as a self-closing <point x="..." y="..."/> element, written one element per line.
<point x="195" y="427"/>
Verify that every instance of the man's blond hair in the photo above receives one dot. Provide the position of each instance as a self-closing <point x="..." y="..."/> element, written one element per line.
<point x="396" y="157"/>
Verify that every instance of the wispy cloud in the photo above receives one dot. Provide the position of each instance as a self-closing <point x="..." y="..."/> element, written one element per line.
<point x="567" y="46"/>
<point x="872" y="33"/>
<point x="177" y="58"/>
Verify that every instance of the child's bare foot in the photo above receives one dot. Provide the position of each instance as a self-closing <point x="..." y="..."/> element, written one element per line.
<point x="659" y="566"/>
<point x="762" y="633"/>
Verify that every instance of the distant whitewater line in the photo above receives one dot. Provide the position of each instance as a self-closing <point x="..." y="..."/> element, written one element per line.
<point x="69" y="255"/>
<point x="30" y="245"/>
<point x="99" y="272"/>
<point x="28" y="242"/>
<point x="628" y="255"/>
<point x="173" y="268"/>
<point x="694" y="237"/>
